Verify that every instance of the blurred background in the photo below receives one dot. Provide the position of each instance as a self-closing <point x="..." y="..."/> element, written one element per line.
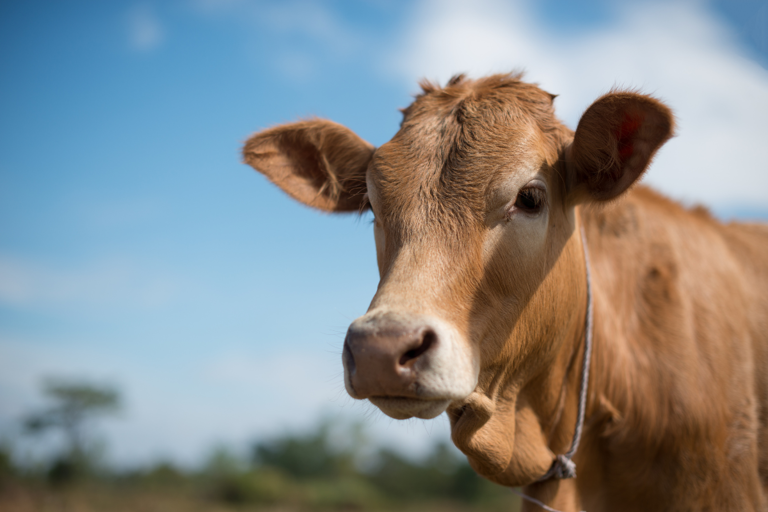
<point x="187" y="314"/>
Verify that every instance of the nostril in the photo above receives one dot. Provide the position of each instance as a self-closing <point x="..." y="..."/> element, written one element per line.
<point x="427" y="341"/>
<point x="348" y="359"/>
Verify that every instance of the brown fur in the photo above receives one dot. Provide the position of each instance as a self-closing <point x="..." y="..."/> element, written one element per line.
<point x="677" y="414"/>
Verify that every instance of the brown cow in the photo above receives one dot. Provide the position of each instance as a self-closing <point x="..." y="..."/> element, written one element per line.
<point x="479" y="201"/>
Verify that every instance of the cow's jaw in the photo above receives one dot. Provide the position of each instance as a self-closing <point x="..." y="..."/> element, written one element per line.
<point x="401" y="408"/>
<point x="406" y="364"/>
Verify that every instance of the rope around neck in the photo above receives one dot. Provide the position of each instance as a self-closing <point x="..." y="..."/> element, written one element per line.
<point x="563" y="465"/>
<point x="534" y="500"/>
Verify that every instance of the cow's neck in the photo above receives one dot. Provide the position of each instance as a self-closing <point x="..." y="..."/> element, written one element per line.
<point x="603" y="413"/>
<point x="563" y="467"/>
<point x="626" y="398"/>
<point x="531" y="417"/>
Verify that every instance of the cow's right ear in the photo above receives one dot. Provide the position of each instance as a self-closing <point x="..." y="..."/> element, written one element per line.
<point x="319" y="163"/>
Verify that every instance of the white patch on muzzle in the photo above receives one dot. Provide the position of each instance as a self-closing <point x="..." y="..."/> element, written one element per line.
<point x="443" y="374"/>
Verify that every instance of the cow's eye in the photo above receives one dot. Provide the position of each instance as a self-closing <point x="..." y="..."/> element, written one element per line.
<point x="530" y="199"/>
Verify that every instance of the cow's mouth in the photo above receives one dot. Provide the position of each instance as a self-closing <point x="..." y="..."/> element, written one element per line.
<point x="402" y="408"/>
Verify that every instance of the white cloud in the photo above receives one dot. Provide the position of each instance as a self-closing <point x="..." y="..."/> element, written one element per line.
<point x="103" y="284"/>
<point x="298" y="67"/>
<point x="315" y="34"/>
<point x="678" y="51"/>
<point x="318" y="22"/>
<point x="144" y="29"/>
<point x="212" y="6"/>
<point x="290" y="373"/>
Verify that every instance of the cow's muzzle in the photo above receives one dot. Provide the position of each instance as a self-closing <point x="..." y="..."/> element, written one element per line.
<point x="407" y="365"/>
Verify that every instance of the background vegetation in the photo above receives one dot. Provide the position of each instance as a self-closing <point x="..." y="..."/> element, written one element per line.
<point x="333" y="467"/>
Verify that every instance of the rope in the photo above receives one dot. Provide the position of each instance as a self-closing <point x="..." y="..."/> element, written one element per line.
<point x="563" y="465"/>
<point x="534" y="500"/>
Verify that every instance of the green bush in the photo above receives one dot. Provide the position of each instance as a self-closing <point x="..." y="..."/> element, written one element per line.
<point x="348" y="493"/>
<point x="261" y="486"/>
<point x="306" y="456"/>
<point x="7" y="466"/>
<point x="164" y="474"/>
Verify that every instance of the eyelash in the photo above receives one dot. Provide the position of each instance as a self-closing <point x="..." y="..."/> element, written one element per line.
<point x="529" y="200"/>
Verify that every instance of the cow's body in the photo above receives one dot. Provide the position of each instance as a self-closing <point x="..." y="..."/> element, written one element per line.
<point x="480" y="200"/>
<point x="678" y="415"/>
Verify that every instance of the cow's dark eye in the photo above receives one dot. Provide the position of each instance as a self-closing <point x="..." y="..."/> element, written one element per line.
<point x="530" y="199"/>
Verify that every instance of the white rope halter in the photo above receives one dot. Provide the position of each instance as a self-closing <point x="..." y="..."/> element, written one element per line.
<point x="563" y="465"/>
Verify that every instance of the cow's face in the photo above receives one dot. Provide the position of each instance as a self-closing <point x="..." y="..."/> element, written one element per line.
<point x="482" y="274"/>
<point x="469" y="218"/>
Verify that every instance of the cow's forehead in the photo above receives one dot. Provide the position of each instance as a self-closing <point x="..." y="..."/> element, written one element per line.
<point x="456" y="141"/>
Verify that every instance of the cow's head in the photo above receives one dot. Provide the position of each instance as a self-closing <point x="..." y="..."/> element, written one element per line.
<point x="482" y="293"/>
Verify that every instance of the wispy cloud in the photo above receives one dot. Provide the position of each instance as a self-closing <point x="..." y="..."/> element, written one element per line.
<point x="104" y="284"/>
<point x="212" y="6"/>
<point x="144" y="29"/>
<point x="313" y="20"/>
<point x="678" y="51"/>
<point x="304" y="35"/>
<point x="292" y="384"/>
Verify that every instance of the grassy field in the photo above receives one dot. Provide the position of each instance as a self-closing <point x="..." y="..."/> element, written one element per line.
<point x="91" y="497"/>
<point x="293" y="473"/>
<point x="334" y="467"/>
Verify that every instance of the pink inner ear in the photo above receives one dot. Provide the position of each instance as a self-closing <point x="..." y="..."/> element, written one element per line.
<point x="625" y="134"/>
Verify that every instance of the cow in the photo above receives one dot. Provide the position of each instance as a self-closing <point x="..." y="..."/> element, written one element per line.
<point x="506" y="243"/>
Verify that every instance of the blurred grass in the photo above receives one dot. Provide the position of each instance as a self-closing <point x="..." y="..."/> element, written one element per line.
<point x="323" y="496"/>
<point x="333" y="468"/>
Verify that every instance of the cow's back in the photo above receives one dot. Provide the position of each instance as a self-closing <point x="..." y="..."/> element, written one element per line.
<point x="749" y="243"/>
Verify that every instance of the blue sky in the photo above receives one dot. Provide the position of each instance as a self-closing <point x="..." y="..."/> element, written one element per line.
<point x="136" y="249"/>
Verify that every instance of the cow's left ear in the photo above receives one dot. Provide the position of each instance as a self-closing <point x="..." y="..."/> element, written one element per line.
<point x="616" y="138"/>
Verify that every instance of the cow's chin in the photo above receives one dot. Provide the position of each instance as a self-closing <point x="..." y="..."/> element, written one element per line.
<point x="402" y="408"/>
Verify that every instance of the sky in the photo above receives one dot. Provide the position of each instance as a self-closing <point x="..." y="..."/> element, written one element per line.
<point x="137" y="250"/>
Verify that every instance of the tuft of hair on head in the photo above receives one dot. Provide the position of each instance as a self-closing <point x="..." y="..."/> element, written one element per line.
<point x="428" y="86"/>
<point x="456" y="79"/>
<point x="404" y="111"/>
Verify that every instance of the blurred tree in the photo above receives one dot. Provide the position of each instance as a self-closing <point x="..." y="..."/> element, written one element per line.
<point x="309" y="456"/>
<point x="322" y="469"/>
<point x="443" y="458"/>
<point x="7" y="467"/>
<point x="163" y="474"/>
<point x="73" y="405"/>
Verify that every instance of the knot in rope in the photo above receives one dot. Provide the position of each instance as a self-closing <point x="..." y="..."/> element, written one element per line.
<point x="563" y="468"/>
<point x="563" y="465"/>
